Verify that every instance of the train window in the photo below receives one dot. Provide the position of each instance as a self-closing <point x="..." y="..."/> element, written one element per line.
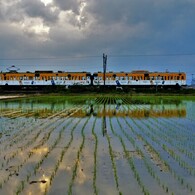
<point x="21" y="78"/>
<point x="182" y="77"/>
<point x="130" y="78"/>
<point x="177" y="77"/>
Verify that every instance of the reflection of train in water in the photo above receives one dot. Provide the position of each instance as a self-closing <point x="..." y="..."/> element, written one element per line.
<point x="134" y="78"/>
<point x="12" y="110"/>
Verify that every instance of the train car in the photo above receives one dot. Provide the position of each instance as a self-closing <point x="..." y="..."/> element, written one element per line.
<point x="137" y="78"/>
<point x="45" y="78"/>
<point x="140" y="78"/>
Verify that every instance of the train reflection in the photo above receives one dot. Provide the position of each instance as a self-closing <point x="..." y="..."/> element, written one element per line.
<point x="97" y="110"/>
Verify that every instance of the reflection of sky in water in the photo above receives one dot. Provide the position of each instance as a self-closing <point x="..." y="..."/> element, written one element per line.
<point x="172" y="127"/>
<point x="190" y="107"/>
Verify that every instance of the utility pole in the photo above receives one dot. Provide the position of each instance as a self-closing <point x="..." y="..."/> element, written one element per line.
<point x="104" y="67"/>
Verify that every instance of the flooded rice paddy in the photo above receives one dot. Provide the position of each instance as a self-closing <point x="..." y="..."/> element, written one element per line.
<point x="100" y="145"/>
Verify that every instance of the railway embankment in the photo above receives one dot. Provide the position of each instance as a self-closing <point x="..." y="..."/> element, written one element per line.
<point x="18" y="91"/>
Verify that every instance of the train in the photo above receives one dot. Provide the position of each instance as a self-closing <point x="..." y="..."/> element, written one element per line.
<point x="135" y="78"/>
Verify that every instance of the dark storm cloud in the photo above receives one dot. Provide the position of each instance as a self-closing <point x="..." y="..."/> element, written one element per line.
<point x="37" y="9"/>
<point x="68" y="5"/>
<point x="163" y="21"/>
<point x="79" y="27"/>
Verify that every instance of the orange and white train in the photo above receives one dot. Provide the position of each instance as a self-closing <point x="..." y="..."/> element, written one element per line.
<point x="134" y="78"/>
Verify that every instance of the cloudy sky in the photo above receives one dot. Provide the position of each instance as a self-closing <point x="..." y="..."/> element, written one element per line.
<point x="72" y="35"/>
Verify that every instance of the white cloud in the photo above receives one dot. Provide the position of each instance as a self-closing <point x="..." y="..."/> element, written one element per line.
<point x="46" y="2"/>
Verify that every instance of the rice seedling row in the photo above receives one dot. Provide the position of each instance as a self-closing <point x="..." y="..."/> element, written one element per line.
<point x="27" y="155"/>
<point x="150" y="157"/>
<point x="49" y="170"/>
<point x="131" y="162"/>
<point x="36" y="147"/>
<point x="95" y="159"/>
<point x="175" y="139"/>
<point x="43" y="125"/>
<point x="104" y="145"/>
<point x="172" y="170"/>
<point x="168" y="146"/>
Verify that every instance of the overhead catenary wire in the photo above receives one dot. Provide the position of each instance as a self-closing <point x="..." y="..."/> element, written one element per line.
<point x="98" y="56"/>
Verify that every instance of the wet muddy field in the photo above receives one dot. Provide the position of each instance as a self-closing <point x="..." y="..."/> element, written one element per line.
<point x="98" y="145"/>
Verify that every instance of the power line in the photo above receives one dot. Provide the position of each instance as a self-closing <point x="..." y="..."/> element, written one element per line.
<point x="98" y="56"/>
<point x="51" y="58"/>
<point x="154" y="55"/>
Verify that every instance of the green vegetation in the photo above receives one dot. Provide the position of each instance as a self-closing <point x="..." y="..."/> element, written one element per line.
<point x="90" y="144"/>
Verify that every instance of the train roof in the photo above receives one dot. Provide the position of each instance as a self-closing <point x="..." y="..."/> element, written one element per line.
<point x="110" y="72"/>
<point x="141" y="72"/>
